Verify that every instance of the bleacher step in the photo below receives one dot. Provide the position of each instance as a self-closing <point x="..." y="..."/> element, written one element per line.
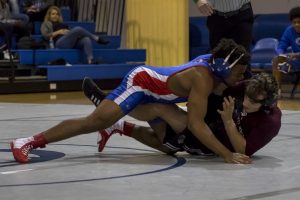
<point x="74" y="56"/>
<point x="78" y="72"/>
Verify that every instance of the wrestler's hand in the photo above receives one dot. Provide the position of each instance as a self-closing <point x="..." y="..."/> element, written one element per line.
<point x="205" y="7"/>
<point x="237" y="158"/>
<point x="228" y="107"/>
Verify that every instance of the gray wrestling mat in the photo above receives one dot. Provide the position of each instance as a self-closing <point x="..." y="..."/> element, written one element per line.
<point x="73" y="169"/>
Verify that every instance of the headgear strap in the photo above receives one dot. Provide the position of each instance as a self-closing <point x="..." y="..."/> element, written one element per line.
<point x="221" y="66"/>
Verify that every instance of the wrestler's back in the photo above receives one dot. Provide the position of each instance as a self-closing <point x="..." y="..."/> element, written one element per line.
<point x="178" y="78"/>
<point x="180" y="83"/>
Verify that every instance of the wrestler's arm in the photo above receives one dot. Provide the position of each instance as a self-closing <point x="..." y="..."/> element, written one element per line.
<point x="201" y="86"/>
<point x="258" y="137"/>
<point x="237" y="140"/>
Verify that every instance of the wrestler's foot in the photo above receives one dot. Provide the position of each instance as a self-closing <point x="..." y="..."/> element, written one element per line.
<point x="105" y="134"/>
<point x="92" y="91"/>
<point x="22" y="146"/>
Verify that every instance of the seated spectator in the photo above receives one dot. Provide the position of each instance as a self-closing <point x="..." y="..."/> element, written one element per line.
<point x="66" y="38"/>
<point x="290" y="39"/>
<point x="36" y="9"/>
<point x="14" y="5"/>
<point x="10" y="26"/>
<point x="15" y="11"/>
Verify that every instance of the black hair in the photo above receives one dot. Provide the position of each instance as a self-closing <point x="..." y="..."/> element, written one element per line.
<point x="225" y="47"/>
<point x="263" y="84"/>
<point x="294" y="13"/>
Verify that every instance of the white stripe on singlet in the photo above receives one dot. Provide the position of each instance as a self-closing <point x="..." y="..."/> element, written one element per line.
<point x="227" y="5"/>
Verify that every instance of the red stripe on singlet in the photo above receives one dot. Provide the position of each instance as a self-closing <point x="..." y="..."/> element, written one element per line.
<point x="145" y="81"/>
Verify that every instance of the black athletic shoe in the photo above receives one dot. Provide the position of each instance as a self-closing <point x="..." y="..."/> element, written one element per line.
<point x="92" y="91"/>
<point x="102" y="41"/>
<point x="3" y="47"/>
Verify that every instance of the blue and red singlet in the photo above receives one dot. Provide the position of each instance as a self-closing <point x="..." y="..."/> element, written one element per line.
<point x="148" y="84"/>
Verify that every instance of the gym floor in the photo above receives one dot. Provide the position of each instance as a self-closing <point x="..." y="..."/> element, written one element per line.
<point x="126" y="169"/>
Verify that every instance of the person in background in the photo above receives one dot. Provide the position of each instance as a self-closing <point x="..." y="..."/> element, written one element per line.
<point x="10" y="26"/>
<point x="14" y="5"/>
<point x="36" y="9"/>
<point x="63" y="37"/>
<point x="228" y="19"/>
<point x="15" y="11"/>
<point x="288" y="49"/>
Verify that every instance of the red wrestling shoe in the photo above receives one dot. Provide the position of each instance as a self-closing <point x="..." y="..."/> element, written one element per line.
<point x="22" y="146"/>
<point x="105" y="134"/>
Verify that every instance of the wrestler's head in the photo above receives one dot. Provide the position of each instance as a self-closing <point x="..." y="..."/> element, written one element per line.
<point x="229" y="61"/>
<point x="261" y="93"/>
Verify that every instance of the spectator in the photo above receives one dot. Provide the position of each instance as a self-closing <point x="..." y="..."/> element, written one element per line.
<point x="10" y="25"/>
<point x="66" y="38"/>
<point x="228" y="19"/>
<point x="14" y="5"/>
<point x="289" y="39"/>
<point x="36" y="9"/>
<point x="15" y="11"/>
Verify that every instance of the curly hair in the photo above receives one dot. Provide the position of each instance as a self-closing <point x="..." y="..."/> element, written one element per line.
<point x="294" y="13"/>
<point x="224" y="48"/>
<point x="263" y="84"/>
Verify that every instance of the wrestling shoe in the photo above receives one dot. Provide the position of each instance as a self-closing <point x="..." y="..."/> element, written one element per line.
<point x="92" y="91"/>
<point x="21" y="147"/>
<point x="105" y="134"/>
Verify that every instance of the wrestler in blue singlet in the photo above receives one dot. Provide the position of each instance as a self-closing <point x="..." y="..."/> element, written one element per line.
<point x="146" y="84"/>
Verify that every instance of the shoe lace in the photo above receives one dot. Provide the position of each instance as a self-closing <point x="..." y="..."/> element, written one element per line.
<point x="26" y="149"/>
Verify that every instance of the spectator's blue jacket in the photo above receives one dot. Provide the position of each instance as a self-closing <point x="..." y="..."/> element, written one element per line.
<point x="290" y="38"/>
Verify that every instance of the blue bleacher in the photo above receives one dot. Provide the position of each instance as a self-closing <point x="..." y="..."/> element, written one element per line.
<point x="114" y="41"/>
<point x="267" y="31"/>
<point x="78" y="72"/>
<point x="75" y="56"/>
<point x="66" y="13"/>
<point x="263" y="53"/>
<point x="90" y="26"/>
<point x="269" y="25"/>
<point x="118" y="61"/>
<point x="199" y="37"/>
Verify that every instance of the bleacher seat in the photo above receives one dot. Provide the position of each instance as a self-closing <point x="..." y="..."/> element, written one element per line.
<point x="66" y="13"/>
<point x="114" y="42"/>
<point x="75" y="56"/>
<point x="269" y="25"/>
<point x="263" y="53"/>
<point x="90" y="26"/>
<point x="116" y="62"/>
<point x="120" y="61"/>
<point x="78" y="72"/>
<point x="199" y="37"/>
